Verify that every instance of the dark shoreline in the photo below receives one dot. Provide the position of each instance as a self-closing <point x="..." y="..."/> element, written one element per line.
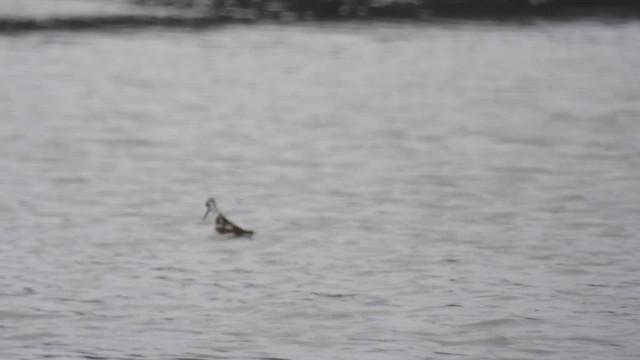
<point x="17" y="25"/>
<point x="489" y="10"/>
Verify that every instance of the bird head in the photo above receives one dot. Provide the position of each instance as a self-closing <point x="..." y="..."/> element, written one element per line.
<point x="211" y="207"/>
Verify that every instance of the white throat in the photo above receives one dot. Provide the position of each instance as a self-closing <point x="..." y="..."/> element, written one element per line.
<point x="212" y="210"/>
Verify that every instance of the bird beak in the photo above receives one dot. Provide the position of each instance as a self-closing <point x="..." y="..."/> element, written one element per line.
<point x="205" y="214"/>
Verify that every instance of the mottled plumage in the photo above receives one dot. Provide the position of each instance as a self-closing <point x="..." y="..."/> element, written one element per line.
<point x="222" y="225"/>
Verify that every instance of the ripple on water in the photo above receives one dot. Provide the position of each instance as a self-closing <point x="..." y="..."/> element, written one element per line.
<point x="488" y="324"/>
<point x="497" y="341"/>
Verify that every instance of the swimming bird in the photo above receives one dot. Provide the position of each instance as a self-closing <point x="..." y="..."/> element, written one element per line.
<point x="222" y="225"/>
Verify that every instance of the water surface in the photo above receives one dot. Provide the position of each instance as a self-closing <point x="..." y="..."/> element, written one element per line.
<point x="460" y="191"/>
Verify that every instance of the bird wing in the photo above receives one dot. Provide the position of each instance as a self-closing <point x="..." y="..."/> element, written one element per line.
<point x="224" y="226"/>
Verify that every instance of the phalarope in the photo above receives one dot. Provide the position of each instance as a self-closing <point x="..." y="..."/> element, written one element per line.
<point x="222" y="225"/>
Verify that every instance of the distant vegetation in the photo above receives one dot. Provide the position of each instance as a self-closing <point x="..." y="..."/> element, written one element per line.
<point x="204" y="13"/>
<point x="334" y="9"/>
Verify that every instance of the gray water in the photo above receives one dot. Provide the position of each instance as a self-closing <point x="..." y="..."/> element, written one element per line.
<point x="444" y="191"/>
